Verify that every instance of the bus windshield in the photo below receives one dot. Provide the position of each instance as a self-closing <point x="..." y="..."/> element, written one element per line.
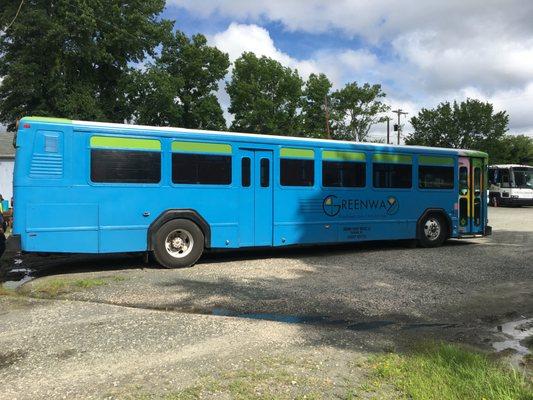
<point x="523" y="177"/>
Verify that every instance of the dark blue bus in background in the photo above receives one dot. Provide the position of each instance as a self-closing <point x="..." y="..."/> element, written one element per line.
<point x="90" y="187"/>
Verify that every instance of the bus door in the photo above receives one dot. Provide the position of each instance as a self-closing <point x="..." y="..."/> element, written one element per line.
<point x="465" y="186"/>
<point x="478" y="195"/>
<point x="470" y="195"/>
<point x="255" y="201"/>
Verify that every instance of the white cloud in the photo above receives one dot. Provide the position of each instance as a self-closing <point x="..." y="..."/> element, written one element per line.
<point x="435" y="50"/>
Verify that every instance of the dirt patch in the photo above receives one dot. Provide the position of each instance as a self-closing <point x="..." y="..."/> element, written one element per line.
<point x="11" y="357"/>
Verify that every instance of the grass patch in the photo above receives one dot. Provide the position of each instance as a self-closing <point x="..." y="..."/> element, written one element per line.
<point x="59" y="286"/>
<point x="260" y="380"/>
<point x="449" y="372"/>
<point x="7" y="292"/>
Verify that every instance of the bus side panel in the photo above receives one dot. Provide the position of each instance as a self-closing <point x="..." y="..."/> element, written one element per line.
<point x="62" y="227"/>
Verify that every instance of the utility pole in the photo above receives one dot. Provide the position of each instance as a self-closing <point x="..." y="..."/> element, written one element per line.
<point x="388" y="130"/>
<point x="327" y="115"/>
<point x="399" y="126"/>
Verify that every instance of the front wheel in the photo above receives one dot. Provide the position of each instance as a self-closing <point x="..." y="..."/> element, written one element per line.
<point x="432" y="231"/>
<point x="178" y="243"/>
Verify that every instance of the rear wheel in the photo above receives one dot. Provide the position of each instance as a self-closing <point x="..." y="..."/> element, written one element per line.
<point x="178" y="243"/>
<point x="494" y="201"/>
<point x="432" y="230"/>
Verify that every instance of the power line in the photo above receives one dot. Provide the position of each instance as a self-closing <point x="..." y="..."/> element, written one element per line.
<point x="15" y="17"/>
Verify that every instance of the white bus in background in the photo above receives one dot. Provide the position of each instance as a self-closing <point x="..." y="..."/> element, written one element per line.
<point x="511" y="184"/>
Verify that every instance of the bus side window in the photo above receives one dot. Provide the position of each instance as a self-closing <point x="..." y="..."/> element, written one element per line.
<point x="125" y="160"/>
<point x="245" y="171"/>
<point x="265" y="172"/>
<point x="392" y="175"/>
<point x="492" y="177"/>
<point x="504" y="179"/>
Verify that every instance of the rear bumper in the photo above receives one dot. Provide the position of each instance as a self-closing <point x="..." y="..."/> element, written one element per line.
<point x="515" y="201"/>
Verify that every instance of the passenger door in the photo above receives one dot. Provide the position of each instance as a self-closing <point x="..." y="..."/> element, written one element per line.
<point x="471" y="199"/>
<point x="465" y="186"/>
<point x="478" y="195"/>
<point x="255" y="203"/>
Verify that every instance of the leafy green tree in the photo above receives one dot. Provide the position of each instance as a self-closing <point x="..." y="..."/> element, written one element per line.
<point x="356" y="108"/>
<point x="69" y="58"/>
<point x="265" y="96"/>
<point x="512" y="149"/>
<point x="471" y="124"/>
<point x="179" y="89"/>
<point x="314" y="114"/>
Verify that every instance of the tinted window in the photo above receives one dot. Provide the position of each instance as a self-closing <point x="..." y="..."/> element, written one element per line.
<point x="505" y="182"/>
<point x="392" y="175"/>
<point x="201" y="169"/>
<point x="265" y="172"/>
<point x="296" y="172"/>
<point x="434" y="177"/>
<point x="492" y="176"/>
<point x="463" y="180"/>
<point x="343" y="174"/>
<point x="125" y="166"/>
<point x="477" y="179"/>
<point x="245" y="170"/>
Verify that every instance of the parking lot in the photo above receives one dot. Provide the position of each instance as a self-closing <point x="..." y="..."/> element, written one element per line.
<point x="116" y="327"/>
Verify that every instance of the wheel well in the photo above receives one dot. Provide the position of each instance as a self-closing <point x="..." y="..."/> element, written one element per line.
<point x="435" y="211"/>
<point x="169" y="215"/>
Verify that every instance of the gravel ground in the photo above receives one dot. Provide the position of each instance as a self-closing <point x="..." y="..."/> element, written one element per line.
<point x="150" y="329"/>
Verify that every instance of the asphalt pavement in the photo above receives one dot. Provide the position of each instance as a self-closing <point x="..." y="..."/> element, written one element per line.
<point x="147" y="329"/>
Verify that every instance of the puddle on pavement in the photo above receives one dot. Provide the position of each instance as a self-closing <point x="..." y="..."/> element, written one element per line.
<point x="515" y="332"/>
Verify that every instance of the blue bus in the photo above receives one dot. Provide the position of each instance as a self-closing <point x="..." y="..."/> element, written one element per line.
<point x="90" y="187"/>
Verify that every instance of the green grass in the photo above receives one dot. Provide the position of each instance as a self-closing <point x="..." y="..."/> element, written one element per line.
<point x="59" y="286"/>
<point x="449" y="372"/>
<point x="7" y="292"/>
<point x="260" y="380"/>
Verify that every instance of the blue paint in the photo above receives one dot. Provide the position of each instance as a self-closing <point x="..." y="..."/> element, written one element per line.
<point x="59" y="209"/>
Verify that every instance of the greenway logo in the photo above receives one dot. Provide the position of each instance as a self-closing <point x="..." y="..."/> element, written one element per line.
<point x="332" y="205"/>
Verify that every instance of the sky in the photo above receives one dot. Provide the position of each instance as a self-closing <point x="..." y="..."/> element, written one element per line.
<point x="421" y="52"/>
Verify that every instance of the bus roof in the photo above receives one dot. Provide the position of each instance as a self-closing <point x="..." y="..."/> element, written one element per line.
<point x="264" y="138"/>
<point x="503" y="166"/>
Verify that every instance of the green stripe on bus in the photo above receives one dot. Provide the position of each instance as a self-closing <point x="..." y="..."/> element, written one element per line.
<point x="48" y="119"/>
<point x="435" y="160"/>
<point x="289" y="152"/>
<point x="392" y="158"/>
<point x="201" y="147"/>
<point x="473" y="153"/>
<point x="331" y="155"/>
<point x="109" y="142"/>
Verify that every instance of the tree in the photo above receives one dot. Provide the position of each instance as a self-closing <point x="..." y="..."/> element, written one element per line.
<point x="471" y="124"/>
<point x="264" y="96"/>
<point x="314" y="113"/>
<point x="356" y="108"/>
<point x="69" y="58"/>
<point x="179" y="88"/>
<point x="513" y="150"/>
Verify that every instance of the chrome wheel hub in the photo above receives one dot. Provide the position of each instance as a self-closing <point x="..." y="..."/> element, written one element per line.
<point x="179" y="243"/>
<point x="432" y="229"/>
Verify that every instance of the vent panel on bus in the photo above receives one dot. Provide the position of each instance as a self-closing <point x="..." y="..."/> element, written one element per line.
<point x="47" y="157"/>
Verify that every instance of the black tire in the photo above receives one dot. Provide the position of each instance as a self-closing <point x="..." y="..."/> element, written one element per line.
<point x="432" y="230"/>
<point x="494" y="201"/>
<point x="185" y="241"/>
